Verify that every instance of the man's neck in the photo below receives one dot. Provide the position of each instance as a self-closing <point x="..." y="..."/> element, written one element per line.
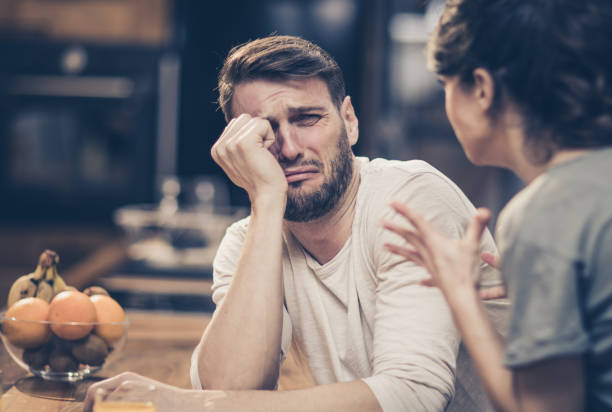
<point x="324" y="237"/>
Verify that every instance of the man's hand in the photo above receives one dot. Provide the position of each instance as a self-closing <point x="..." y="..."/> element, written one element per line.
<point x="243" y="153"/>
<point x="132" y="387"/>
<point x="339" y="397"/>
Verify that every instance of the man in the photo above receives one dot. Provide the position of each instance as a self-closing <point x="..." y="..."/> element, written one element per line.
<point x="308" y="265"/>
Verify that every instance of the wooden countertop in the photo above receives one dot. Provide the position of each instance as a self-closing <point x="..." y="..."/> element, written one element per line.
<point x="159" y="346"/>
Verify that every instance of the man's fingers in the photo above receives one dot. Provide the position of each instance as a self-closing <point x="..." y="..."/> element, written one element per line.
<point x="269" y="138"/>
<point x="236" y="123"/>
<point x="243" y="127"/>
<point x="218" y="149"/>
<point x="258" y="128"/>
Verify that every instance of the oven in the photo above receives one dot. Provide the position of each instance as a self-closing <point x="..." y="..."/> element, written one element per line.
<point x="84" y="129"/>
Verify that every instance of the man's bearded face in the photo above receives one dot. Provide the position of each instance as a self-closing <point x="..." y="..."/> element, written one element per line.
<point x="304" y="207"/>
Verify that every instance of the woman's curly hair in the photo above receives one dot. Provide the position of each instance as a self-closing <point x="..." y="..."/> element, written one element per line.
<point x="553" y="58"/>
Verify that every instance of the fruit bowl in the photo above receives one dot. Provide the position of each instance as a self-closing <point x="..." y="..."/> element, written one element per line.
<point x="35" y="346"/>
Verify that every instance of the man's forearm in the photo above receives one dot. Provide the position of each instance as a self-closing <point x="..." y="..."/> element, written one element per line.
<point x="240" y="348"/>
<point x="335" y="397"/>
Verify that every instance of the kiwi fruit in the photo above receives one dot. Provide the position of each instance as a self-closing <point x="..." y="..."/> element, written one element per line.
<point x="91" y="350"/>
<point x="36" y="358"/>
<point x="62" y="362"/>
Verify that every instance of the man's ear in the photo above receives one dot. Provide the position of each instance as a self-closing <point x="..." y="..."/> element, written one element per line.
<point x="351" y="123"/>
<point x="484" y="88"/>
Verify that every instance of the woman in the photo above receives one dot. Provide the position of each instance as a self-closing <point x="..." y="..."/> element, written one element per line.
<point x="528" y="87"/>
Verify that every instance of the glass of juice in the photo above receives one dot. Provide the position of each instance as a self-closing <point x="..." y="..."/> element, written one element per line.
<point x="104" y="403"/>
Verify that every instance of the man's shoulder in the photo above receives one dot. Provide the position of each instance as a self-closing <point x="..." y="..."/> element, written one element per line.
<point x="415" y="178"/>
<point x="239" y="227"/>
<point x="384" y="168"/>
<point x="231" y="242"/>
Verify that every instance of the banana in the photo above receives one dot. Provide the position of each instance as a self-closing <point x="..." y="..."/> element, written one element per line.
<point x="24" y="287"/>
<point x="44" y="291"/>
<point x="43" y="283"/>
<point x="53" y="278"/>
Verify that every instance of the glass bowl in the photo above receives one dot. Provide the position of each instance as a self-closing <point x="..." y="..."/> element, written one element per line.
<point x="36" y="348"/>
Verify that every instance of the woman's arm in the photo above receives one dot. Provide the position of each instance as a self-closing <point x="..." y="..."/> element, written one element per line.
<point x="555" y="384"/>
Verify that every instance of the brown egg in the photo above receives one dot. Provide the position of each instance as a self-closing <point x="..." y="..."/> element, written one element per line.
<point x="28" y="332"/>
<point x="108" y="310"/>
<point x="71" y="306"/>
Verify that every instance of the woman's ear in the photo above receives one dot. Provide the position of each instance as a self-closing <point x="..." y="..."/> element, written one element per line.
<point x="351" y="123"/>
<point x="484" y="88"/>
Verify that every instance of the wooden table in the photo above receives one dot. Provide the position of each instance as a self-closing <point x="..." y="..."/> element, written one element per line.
<point x="159" y="346"/>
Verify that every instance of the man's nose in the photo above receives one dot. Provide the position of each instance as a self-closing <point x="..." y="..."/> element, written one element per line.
<point x="289" y="142"/>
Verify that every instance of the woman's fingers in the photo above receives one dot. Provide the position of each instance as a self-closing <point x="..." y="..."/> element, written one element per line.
<point x="398" y="229"/>
<point x="494" y="292"/>
<point x="414" y="239"/>
<point x="410" y="254"/>
<point x="428" y="282"/>
<point x="423" y="238"/>
<point x="491" y="259"/>
<point x="428" y="235"/>
<point x="414" y="218"/>
<point x="478" y="225"/>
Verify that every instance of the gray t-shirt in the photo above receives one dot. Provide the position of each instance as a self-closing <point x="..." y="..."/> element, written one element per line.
<point x="555" y="239"/>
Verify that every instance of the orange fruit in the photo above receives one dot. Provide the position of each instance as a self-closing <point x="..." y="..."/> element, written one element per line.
<point x="29" y="331"/>
<point x="108" y="310"/>
<point x="71" y="306"/>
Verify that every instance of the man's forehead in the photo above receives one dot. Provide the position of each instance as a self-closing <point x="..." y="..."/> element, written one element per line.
<point x="263" y="97"/>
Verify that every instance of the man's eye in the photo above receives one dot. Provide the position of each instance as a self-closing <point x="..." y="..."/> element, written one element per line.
<point x="307" y="120"/>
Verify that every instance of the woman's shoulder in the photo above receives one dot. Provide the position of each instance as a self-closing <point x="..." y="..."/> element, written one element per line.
<point x="561" y="208"/>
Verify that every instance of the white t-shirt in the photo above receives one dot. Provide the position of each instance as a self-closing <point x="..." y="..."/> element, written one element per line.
<point x="364" y="315"/>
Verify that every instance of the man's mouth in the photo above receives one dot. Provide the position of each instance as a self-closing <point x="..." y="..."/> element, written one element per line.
<point x="296" y="174"/>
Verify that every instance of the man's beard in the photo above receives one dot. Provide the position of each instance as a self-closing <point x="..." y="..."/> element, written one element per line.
<point x="304" y="207"/>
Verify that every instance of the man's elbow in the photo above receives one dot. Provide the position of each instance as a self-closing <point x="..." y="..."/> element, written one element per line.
<point x="401" y="393"/>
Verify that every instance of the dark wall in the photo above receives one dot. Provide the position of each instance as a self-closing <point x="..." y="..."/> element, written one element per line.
<point x="206" y="32"/>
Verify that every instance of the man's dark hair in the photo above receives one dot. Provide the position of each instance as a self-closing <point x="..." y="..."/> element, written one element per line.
<point x="552" y="58"/>
<point x="278" y="58"/>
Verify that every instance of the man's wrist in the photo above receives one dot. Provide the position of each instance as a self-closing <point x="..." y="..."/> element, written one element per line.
<point x="274" y="202"/>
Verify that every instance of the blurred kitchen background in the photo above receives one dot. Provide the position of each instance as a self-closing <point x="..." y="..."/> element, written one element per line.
<point x="107" y="116"/>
